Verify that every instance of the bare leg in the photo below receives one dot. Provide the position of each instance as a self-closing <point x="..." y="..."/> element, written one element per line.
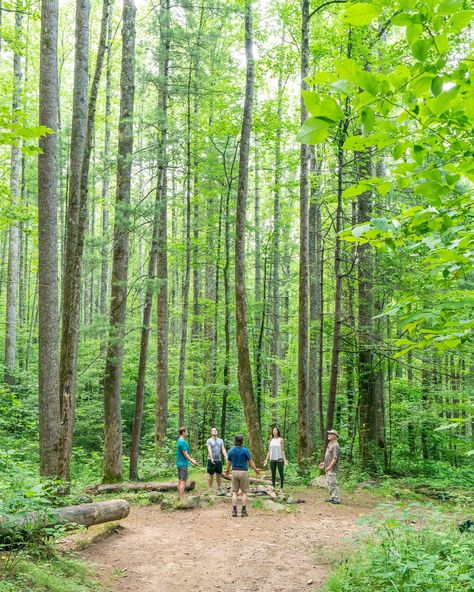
<point x="181" y="488"/>
<point x="219" y="480"/>
<point x="234" y="498"/>
<point x="209" y="481"/>
<point x="244" y="499"/>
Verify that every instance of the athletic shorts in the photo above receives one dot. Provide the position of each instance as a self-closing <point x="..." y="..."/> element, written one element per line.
<point x="214" y="467"/>
<point x="240" y="480"/>
<point x="183" y="473"/>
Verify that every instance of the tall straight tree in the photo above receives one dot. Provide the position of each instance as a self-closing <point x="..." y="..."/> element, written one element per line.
<point x="243" y="352"/>
<point x="118" y="300"/>
<point x="303" y="294"/>
<point x="48" y="370"/>
<point x="14" y="230"/>
<point x="162" y="246"/>
<point x="77" y="212"/>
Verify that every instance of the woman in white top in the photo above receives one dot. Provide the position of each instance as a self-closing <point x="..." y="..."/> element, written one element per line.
<point x="276" y="454"/>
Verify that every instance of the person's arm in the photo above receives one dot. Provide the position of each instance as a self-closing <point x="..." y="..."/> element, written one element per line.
<point x="268" y="454"/>
<point x="282" y="444"/>
<point x="191" y="460"/>
<point x="226" y="472"/>
<point x="252" y="464"/>
<point x="224" y="451"/>
<point x="209" y="451"/>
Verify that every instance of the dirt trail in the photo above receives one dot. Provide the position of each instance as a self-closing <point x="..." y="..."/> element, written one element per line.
<point x="205" y="550"/>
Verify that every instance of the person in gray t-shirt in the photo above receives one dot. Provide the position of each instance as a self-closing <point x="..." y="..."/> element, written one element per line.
<point x="215" y="451"/>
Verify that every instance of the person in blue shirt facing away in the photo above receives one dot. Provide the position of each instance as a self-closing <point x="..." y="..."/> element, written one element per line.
<point x="240" y="458"/>
<point x="183" y="460"/>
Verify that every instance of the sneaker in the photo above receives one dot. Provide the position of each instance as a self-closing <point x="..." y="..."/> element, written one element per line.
<point x="244" y="512"/>
<point x="234" y="512"/>
<point x="335" y="501"/>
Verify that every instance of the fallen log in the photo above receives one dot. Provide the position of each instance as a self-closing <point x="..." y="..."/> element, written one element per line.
<point x="117" y="487"/>
<point x="83" y="514"/>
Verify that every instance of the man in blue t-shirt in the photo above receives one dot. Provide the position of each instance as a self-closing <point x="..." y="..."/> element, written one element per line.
<point x="240" y="458"/>
<point x="182" y="460"/>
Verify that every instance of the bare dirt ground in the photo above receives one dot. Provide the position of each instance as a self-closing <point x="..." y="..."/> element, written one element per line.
<point x="205" y="550"/>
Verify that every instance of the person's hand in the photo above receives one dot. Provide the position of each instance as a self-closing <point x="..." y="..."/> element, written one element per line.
<point x="195" y="463"/>
<point x="257" y="472"/>
<point x="321" y="465"/>
<point x="265" y="463"/>
<point x="212" y="461"/>
<point x="226" y="473"/>
<point x="286" y="462"/>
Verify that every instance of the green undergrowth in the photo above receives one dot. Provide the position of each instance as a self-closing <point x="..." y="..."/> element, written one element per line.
<point x="412" y="548"/>
<point x="49" y="575"/>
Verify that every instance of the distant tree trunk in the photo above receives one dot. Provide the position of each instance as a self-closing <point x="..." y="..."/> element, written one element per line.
<point x="275" y="347"/>
<point x="77" y="212"/>
<point x="371" y="403"/>
<point x="196" y="325"/>
<point x="226" y="372"/>
<point x="162" y="253"/>
<point x="258" y="251"/>
<point x="243" y="353"/>
<point x="48" y="370"/>
<point x="303" y="294"/>
<point x="14" y="231"/>
<point x="118" y="300"/>
<point x="104" y="268"/>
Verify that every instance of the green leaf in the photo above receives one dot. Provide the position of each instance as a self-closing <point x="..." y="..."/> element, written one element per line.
<point x="413" y="32"/>
<point x="367" y="117"/>
<point x="437" y="86"/>
<point x="459" y="20"/>
<point x="322" y="106"/>
<point x="420" y="49"/>
<point x="313" y="131"/>
<point x="358" y="231"/>
<point x="356" y="190"/>
<point x="361" y="14"/>
<point x="449" y="6"/>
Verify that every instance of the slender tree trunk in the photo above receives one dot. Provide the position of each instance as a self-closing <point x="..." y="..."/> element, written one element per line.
<point x="48" y="370"/>
<point x="371" y="405"/>
<point x="275" y="348"/>
<point x="243" y="353"/>
<point x="104" y="267"/>
<point x="258" y="251"/>
<point x="187" y="271"/>
<point x="14" y="231"/>
<point x="226" y="371"/>
<point x="118" y="300"/>
<point x="77" y="212"/>
<point x="303" y="294"/>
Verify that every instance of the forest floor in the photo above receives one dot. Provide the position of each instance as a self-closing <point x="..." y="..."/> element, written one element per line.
<point x="206" y="550"/>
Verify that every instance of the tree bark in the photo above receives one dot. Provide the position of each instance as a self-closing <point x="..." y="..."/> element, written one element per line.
<point x="118" y="301"/>
<point x="303" y="294"/>
<point x="77" y="215"/>
<point x="150" y="486"/>
<point x="48" y="371"/>
<point x="11" y="313"/>
<point x="243" y="353"/>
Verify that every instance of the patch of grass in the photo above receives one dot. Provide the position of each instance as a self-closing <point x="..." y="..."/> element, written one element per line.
<point x="59" y="573"/>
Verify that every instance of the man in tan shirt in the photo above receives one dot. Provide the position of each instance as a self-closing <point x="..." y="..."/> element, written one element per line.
<point x="331" y="466"/>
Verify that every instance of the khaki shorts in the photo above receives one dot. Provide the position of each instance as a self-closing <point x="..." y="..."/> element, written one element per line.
<point x="240" y="480"/>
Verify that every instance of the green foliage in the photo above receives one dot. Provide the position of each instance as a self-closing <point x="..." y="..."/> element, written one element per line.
<point x="418" y="117"/>
<point x="412" y="548"/>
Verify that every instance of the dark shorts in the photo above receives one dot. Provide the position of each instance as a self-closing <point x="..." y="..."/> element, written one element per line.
<point x="214" y="467"/>
<point x="182" y="473"/>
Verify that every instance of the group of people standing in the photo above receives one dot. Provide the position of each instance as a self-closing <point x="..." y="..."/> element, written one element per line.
<point x="239" y="458"/>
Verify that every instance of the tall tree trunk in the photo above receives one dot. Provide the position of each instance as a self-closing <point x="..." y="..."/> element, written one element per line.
<point x="14" y="230"/>
<point x="371" y="405"/>
<point x="275" y="347"/>
<point x="48" y="370"/>
<point x="243" y="353"/>
<point x="315" y="262"/>
<point x="78" y="214"/>
<point x="303" y="294"/>
<point x="118" y="300"/>
<point x="104" y="267"/>
<point x="258" y="251"/>
<point x="187" y="270"/>
<point x="336" y="339"/>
